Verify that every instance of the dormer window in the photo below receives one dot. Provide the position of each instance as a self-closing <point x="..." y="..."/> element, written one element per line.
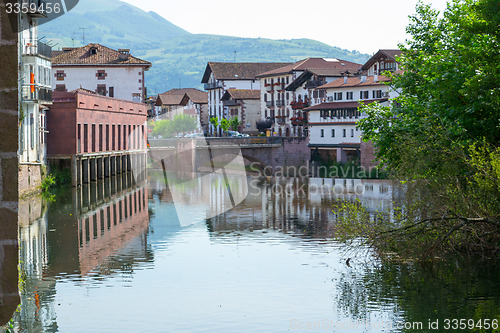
<point x="93" y="50"/>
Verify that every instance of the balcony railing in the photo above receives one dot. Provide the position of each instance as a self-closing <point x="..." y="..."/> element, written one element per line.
<point x="34" y="48"/>
<point x="269" y="87"/>
<point x="314" y="84"/>
<point x="213" y="85"/>
<point x="269" y="103"/>
<point x="231" y="103"/>
<point x="280" y="103"/>
<point x="279" y="86"/>
<point x="36" y="94"/>
<point x="299" y="105"/>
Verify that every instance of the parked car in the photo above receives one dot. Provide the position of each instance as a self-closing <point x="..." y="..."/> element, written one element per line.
<point x="237" y="134"/>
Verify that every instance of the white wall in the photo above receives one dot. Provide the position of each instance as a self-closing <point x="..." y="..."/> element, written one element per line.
<point x="125" y="80"/>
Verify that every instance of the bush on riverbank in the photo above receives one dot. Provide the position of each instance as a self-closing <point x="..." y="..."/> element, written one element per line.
<point x="441" y="138"/>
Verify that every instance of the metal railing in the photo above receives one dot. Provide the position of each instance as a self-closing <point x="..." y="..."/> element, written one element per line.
<point x="231" y="103"/>
<point x="269" y="103"/>
<point x="212" y="85"/>
<point x="314" y="84"/>
<point x="35" y="47"/>
<point x="32" y="93"/>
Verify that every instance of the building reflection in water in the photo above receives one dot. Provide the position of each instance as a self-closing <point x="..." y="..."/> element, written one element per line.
<point x="101" y="228"/>
<point x="297" y="205"/>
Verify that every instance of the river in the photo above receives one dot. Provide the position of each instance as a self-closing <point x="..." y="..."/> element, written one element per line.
<point x="123" y="257"/>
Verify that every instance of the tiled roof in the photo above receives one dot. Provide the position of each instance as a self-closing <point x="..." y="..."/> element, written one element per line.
<point x="385" y="54"/>
<point x="177" y="96"/>
<point x="241" y="94"/>
<point x="356" y="82"/>
<point x="103" y="56"/>
<point x="317" y="64"/>
<point x="238" y="70"/>
<point x="342" y="105"/>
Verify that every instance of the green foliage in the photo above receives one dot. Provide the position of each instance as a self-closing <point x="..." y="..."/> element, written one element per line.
<point x="181" y="123"/>
<point x="224" y="124"/>
<point x="443" y="133"/>
<point x="47" y="183"/>
<point x="215" y="122"/>
<point x="234" y="123"/>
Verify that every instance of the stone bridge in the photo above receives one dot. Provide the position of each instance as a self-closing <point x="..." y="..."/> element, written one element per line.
<point x="265" y="153"/>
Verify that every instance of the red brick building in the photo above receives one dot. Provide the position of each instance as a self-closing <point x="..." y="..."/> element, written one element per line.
<point x="101" y="136"/>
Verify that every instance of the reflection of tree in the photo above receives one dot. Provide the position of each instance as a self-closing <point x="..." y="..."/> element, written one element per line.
<point x="423" y="292"/>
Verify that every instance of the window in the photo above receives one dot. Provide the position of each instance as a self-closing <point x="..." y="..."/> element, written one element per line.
<point x="93" y="138"/>
<point x="344" y="133"/>
<point x="349" y="95"/>
<point x="101" y="75"/>
<point x="352" y="133"/>
<point x="113" y="137"/>
<point x="85" y="138"/>
<point x="377" y="93"/>
<point x="111" y="91"/>
<point x="93" y="51"/>
<point x="60" y="75"/>
<point x="322" y="133"/>
<point x="100" y="137"/>
<point x="101" y="89"/>
<point x="32" y="131"/>
<point x="61" y="87"/>
<point x="337" y="96"/>
<point x="363" y="94"/>
<point x="333" y="133"/>
<point x="107" y="137"/>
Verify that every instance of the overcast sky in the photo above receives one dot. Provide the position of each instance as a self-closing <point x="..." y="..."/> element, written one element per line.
<point x="363" y="25"/>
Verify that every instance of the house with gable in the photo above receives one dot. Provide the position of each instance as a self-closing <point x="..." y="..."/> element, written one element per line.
<point x="221" y="76"/>
<point x="108" y="72"/>
<point x="287" y="90"/>
<point x="333" y="131"/>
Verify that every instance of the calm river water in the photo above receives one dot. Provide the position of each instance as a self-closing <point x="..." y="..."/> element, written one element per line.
<point x="124" y="257"/>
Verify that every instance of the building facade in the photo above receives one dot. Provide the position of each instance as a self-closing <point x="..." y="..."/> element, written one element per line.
<point x="221" y="76"/>
<point x="107" y="72"/>
<point x="189" y="101"/>
<point x="286" y="91"/>
<point x="96" y="136"/>
<point x="244" y="104"/>
<point x="333" y="131"/>
<point x="35" y="94"/>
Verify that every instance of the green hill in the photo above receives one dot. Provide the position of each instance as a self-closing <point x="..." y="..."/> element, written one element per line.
<point x="179" y="57"/>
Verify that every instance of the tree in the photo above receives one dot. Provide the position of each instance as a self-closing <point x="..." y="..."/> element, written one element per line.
<point x="234" y="123"/>
<point x="224" y="124"/>
<point x="215" y="123"/>
<point x="444" y="126"/>
<point x="181" y="123"/>
<point x="263" y="125"/>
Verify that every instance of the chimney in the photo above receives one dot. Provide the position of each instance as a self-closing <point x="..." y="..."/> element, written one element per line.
<point x="363" y="78"/>
<point x="124" y="54"/>
<point x="375" y="77"/>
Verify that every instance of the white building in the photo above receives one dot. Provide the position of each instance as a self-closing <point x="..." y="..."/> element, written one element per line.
<point x="100" y="69"/>
<point x="35" y="95"/>
<point x="221" y="76"/>
<point x="333" y="132"/>
<point x="286" y="91"/>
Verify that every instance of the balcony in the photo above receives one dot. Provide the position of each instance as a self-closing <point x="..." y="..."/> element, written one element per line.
<point x="279" y="86"/>
<point x="270" y="104"/>
<point x="299" y="105"/>
<point x="35" y="94"/>
<point x="280" y="103"/>
<point x="36" y="48"/>
<point x="269" y="87"/>
<point x="36" y="8"/>
<point x="231" y="103"/>
<point x="281" y="120"/>
<point x="213" y="85"/>
<point x="312" y="84"/>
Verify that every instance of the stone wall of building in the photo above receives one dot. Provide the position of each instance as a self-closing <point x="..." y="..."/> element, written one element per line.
<point x="368" y="155"/>
<point x="9" y="296"/>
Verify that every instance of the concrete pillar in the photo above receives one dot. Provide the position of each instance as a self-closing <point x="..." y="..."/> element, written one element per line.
<point x="118" y="164"/>
<point x="74" y="171"/>
<point x="100" y="168"/>
<point x="339" y="154"/>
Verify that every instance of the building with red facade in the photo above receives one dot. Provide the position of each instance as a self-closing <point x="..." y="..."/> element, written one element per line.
<point x="96" y="136"/>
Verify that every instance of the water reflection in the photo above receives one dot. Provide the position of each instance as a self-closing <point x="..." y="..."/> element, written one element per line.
<point x="117" y="257"/>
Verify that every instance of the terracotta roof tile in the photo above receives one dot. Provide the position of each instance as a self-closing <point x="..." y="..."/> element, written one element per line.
<point x="342" y="105"/>
<point x="176" y="96"/>
<point x="103" y="56"/>
<point x="317" y="64"/>
<point x="385" y="54"/>
<point x="238" y="70"/>
<point x="241" y="94"/>
<point x="356" y="82"/>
